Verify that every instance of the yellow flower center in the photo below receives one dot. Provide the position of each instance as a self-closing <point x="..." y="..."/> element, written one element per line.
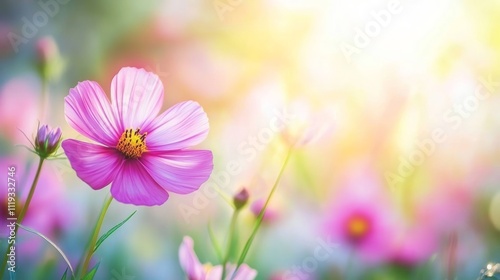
<point x="132" y="143"/>
<point x="357" y="227"/>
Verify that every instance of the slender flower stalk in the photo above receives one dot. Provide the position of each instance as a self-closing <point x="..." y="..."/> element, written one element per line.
<point x="263" y="211"/>
<point x="24" y="210"/>
<point x="239" y="201"/>
<point x="232" y="229"/>
<point x="30" y="194"/>
<point x="50" y="66"/>
<point x="450" y="270"/>
<point x="93" y="238"/>
<point x="349" y="264"/>
<point x="44" y="102"/>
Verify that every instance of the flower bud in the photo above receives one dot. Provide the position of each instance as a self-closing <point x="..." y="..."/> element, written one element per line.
<point x="46" y="49"/>
<point x="47" y="140"/>
<point x="49" y="61"/>
<point x="241" y="198"/>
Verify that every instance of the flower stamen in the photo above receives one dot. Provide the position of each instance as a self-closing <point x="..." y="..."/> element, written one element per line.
<point x="357" y="227"/>
<point x="132" y="143"/>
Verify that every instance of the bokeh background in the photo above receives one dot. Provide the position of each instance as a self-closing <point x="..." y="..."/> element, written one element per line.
<point x="393" y="106"/>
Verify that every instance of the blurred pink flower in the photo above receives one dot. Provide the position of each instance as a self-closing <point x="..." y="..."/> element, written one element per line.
<point x="50" y="64"/>
<point x="414" y="245"/>
<point x="448" y="208"/>
<point x="48" y="213"/>
<point x="271" y="213"/>
<point x="144" y="155"/>
<point x="6" y="47"/>
<point x="18" y="95"/>
<point x="202" y="71"/>
<point x="197" y="271"/>
<point x="309" y="124"/>
<point x="445" y="209"/>
<point x="361" y="217"/>
<point x="46" y="49"/>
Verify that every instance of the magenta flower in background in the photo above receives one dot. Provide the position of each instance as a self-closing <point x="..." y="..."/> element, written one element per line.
<point x="142" y="155"/>
<point x="272" y="214"/>
<point x="361" y="217"/>
<point x="49" y="212"/>
<point x="364" y="227"/>
<point x="448" y="208"/>
<point x="197" y="271"/>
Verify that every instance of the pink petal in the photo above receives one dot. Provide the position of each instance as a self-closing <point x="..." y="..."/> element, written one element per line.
<point x="181" y="171"/>
<point x="95" y="165"/>
<point x="88" y="111"/>
<point x="182" y="126"/>
<point x="214" y="273"/>
<point x="133" y="185"/>
<point x="189" y="261"/>
<point x="136" y="97"/>
<point x="244" y="273"/>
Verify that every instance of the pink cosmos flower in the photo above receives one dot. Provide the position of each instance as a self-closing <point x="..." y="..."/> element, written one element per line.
<point x="196" y="271"/>
<point x="361" y="216"/>
<point x="142" y="155"/>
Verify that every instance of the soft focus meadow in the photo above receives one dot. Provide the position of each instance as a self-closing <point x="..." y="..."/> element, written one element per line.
<point x="374" y="124"/>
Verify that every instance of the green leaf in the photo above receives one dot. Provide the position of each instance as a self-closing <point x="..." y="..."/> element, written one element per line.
<point x="91" y="274"/>
<point x="65" y="274"/>
<point x="216" y="245"/>
<point x="113" y="229"/>
<point x="53" y="245"/>
<point x="45" y="267"/>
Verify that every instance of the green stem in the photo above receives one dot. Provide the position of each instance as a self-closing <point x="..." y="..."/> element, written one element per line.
<point x="349" y="264"/>
<point x="24" y="209"/>
<point x="262" y="212"/>
<point x="30" y="194"/>
<point x="232" y="229"/>
<point x="452" y="248"/>
<point x="95" y="235"/>
<point x="43" y="102"/>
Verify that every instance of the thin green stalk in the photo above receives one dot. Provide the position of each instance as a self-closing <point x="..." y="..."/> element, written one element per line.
<point x="24" y="210"/>
<point x="452" y="250"/>
<point x="95" y="235"/>
<point x="43" y="103"/>
<point x="232" y="229"/>
<point x="262" y="212"/>
<point x="349" y="264"/>
<point x="30" y="194"/>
